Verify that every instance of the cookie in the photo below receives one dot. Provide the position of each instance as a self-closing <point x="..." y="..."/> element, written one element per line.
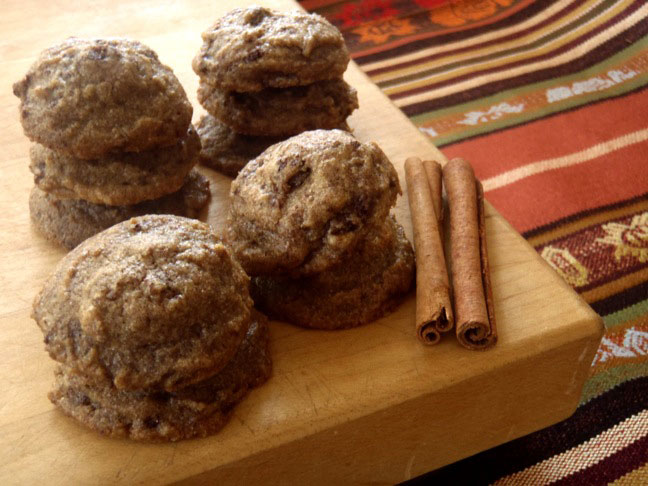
<point x="90" y="97"/>
<point x="156" y="302"/>
<point x="116" y="179"/>
<point x="225" y="150"/>
<point x="195" y="411"/>
<point x="70" y="221"/>
<point x="364" y="286"/>
<point x="281" y="112"/>
<point x="305" y="202"/>
<point x="253" y="48"/>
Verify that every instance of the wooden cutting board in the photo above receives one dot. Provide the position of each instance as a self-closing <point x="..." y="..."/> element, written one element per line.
<point x="365" y="405"/>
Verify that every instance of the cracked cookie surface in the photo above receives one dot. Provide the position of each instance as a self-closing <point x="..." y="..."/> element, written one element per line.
<point x="250" y="49"/>
<point x="88" y="97"/>
<point x="156" y="302"/>
<point x="305" y="202"/>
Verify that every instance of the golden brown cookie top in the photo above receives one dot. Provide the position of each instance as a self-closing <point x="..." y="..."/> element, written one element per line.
<point x="153" y="302"/>
<point x="253" y="48"/>
<point x="89" y="97"/>
<point x="305" y="202"/>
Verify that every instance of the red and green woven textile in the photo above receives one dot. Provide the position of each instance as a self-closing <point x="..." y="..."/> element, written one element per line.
<point x="548" y="99"/>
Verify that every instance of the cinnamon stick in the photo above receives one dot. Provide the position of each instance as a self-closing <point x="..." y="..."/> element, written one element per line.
<point x="433" y="174"/>
<point x="473" y="298"/>
<point x="433" y="305"/>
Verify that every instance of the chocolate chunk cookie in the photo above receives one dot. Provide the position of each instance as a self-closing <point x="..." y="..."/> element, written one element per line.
<point x="225" y="150"/>
<point x="70" y="221"/>
<point x="253" y="48"/>
<point x="91" y="97"/>
<point x="305" y="202"/>
<point x="365" y="285"/>
<point x="116" y="179"/>
<point x="195" y="411"/>
<point x="156" y="302"/>
<point x="282" y="112"/>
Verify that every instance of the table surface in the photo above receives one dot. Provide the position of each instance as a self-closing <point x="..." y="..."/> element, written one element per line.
<point x="321" y="380"/>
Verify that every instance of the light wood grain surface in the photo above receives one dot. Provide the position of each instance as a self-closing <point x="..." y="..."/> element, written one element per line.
<point x="365" y="405"/>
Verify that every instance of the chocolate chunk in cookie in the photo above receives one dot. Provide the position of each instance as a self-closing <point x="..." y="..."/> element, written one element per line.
<point x="253" y="48"/>
<point x="156" y="302"/>
<point x="91" y="97"/>
<point x="281" y="112"/>
<point x="195" y="411"/>
<point x="305" y="202"/>
<point x="70" y="221"/>
<point x="118" y="178"/>
<point x="365" y="285"/>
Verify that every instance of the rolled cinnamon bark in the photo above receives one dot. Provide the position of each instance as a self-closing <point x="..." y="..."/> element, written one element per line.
<point x="485" y="266"/>
<point x="433" y="305"/>
<point x="473" y="299"/>
<point x="433" y="174"/>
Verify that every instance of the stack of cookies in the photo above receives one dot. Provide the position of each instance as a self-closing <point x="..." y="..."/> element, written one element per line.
<point x="309" y="219"/>
<point x="152" y="326"/>
<point x="113" y="138"/>
<point x="265" y="76"/>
